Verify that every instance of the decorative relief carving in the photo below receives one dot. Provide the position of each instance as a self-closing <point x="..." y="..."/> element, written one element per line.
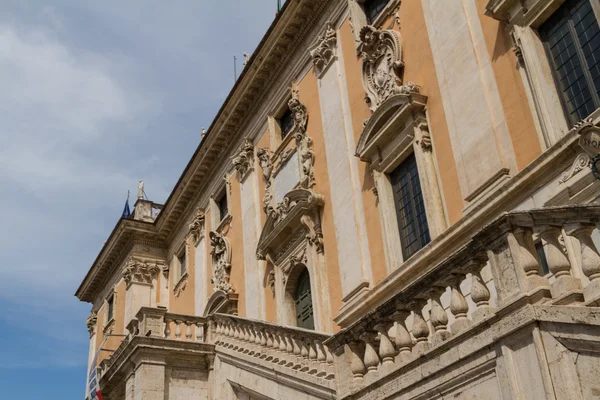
<point x="423" y="135"/>
<point x="138" y="271"/>
<point x="197" y="225"/>
<point x="271" y="281"/>
<point x="323" y="53"/>
<point x="299" y="113"/>
<point x="221" y="255"/>
<point x="581" y="161"/>
<point x="181" y="285"/>
<point x="315" y="233"/>
<point x="381" y="52"/>
<point x="244" y="160"/>
<point x="91" y="322"/>
<point x="300" y="259"/>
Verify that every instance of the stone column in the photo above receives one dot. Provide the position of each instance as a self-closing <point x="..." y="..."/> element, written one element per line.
<point x="140" y="277"/>
<point x="149" y="383"/>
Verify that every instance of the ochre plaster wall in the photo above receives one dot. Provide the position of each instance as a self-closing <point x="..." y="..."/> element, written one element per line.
<point x="309" y="96"/>
<point x="516" y="106"/>
<point x="234" y="234"/>
<point x="184" y="303"/>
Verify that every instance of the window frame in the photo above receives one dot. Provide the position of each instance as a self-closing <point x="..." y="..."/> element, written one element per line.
<point x="359" y="18"/>
<point x="302" y="277"/>
<point x="580" y="57"/>
<point x="218" y="221"/>
<point x="373" y="19"/>
<point x="533" y="63"/>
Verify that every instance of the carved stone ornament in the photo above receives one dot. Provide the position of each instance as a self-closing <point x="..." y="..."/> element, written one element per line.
<point x="221" y="255"/>
<point x="138" y="271"/>
<point x="197" y="225"/>
<point x="589" y="133"/>
<point x="323" y="53"/>
<point x="91" y="322"/>
<point x="381" y="52"/>
<point x="244" y="160"/>
<point x="181" y="285"/>
<point x="271" y="282"/>
<point x="581" y="162"/>
<point x="271" y="163"/>
<point x="300" y="259"/>
<point x="300" y="211"/>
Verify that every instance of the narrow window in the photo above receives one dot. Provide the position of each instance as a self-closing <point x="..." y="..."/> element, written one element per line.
<point x="304" y="306"/>
<point x="373" y="8"/>
<point x="571" y="37"/>
<point x="286" y="122"/>
<point x="110" y="302"/>
<point x="410" y="208"/>
<point x="539" y="248"/>
<point x="222" y="203"/>
<point x="182" y="264"/>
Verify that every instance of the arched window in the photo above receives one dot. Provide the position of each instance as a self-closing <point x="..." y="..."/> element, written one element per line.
<point x="303" y="299"/>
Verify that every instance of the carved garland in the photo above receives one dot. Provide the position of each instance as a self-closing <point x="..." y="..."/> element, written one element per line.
<point x="197" y="226"/>
<point x="323" y="53"/>
<point x="244" y="160"/>
<point x="138" y="271"/>
<point x="381" y="52"/>
<point x="221" y="255"/>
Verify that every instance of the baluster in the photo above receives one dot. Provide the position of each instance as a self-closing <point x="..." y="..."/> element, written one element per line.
<point x="387" y="352"/>
<point x="248" y="342"/>
<point x="312" y="357"/>
<point x="357" y="367"/>
<point x="289" y="349"/>
<point x="559" y="265"/>
<point x="404" y="342"/>
<point x="480" y="293"/>
<point x="282" y="349"/>
<point x="257" y="345"/>
<point x="420" y="329"/>
<point x="458" y="304"/>
<point x="263" y="344"/>
<point x="188" y="331"/>
<point x="276" y="355"/>
<point x="371" y="359"/>
<point x="199" y="332"/>
<point x="528" y="260"/>
<point x="269" y="349"/>
<point x="297" y="356"/>
<point x="304" y="355"/>
<point x="321" y="358"/>
<point x="438" y="316"/>
<point x="590" y="262"/>
<point x="228" y="334"/>
<point x="329" y="360"/>
<point x="167" y="328"/>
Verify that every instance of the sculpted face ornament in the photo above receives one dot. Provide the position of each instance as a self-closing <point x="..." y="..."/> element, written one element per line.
<point x="381" y="52"/>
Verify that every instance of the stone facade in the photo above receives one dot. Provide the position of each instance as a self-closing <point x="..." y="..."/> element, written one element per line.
<point x="281" y="267"/>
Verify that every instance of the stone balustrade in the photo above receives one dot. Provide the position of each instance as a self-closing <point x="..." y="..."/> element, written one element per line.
<point x="495" y="272"/>
<point x="158" y="323"/>
<point x="293" y="348"/>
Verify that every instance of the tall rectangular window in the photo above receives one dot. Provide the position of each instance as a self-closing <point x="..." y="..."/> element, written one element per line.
<point x="373" y="8"/>
<point x="286" y="122"/>
<point x="223" y="208"/>
<point x="572" y="40"/>
<point x="410" y="207"/>
<point x="183" y="264"/>
<point x="110" y="304"/>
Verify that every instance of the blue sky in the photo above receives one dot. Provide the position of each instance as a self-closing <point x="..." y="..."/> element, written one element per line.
<point x="94" y="96"/>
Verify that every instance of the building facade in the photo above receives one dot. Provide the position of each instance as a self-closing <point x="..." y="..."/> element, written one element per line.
<point x="398" y="200"/>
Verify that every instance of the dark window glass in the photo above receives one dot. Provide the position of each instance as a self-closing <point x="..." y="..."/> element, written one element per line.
<point x="539" y="248"/>
<point x="110" y="304"/>
<point x="286" y="123"/>
<point x="304" y="306"/>
<point x="572" y="40"/>
<point x="410" y="208"/>
<point x="222" y="203"/>
<point x="183" y="263"/>
<point x="373" y="8"/>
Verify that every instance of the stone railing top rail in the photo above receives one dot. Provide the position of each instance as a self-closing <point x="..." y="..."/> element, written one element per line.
<point x="418" y="281"/>
<point x="274" y="327"/>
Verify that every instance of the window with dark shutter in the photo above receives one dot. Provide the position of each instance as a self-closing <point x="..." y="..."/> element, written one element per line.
<point x="373" y="8"/>
<point x="303" y="298"/>
<point x="286" y="123"/>
<point x="571" y="37"/>
<point x="110" y="304"/>
<point x="222" y="203"/>
<point x="410" y="208"/>
<point x="183" y="264"/>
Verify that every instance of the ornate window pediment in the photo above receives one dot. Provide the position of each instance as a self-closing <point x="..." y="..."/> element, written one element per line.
<point x="221" y="255"/>
<point x="296" y="218"/>
<point x="381" y="52"/>
<point x="386" y="131"/>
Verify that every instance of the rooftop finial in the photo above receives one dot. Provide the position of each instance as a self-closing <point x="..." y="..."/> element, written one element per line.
<point x="246" y="59"/>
